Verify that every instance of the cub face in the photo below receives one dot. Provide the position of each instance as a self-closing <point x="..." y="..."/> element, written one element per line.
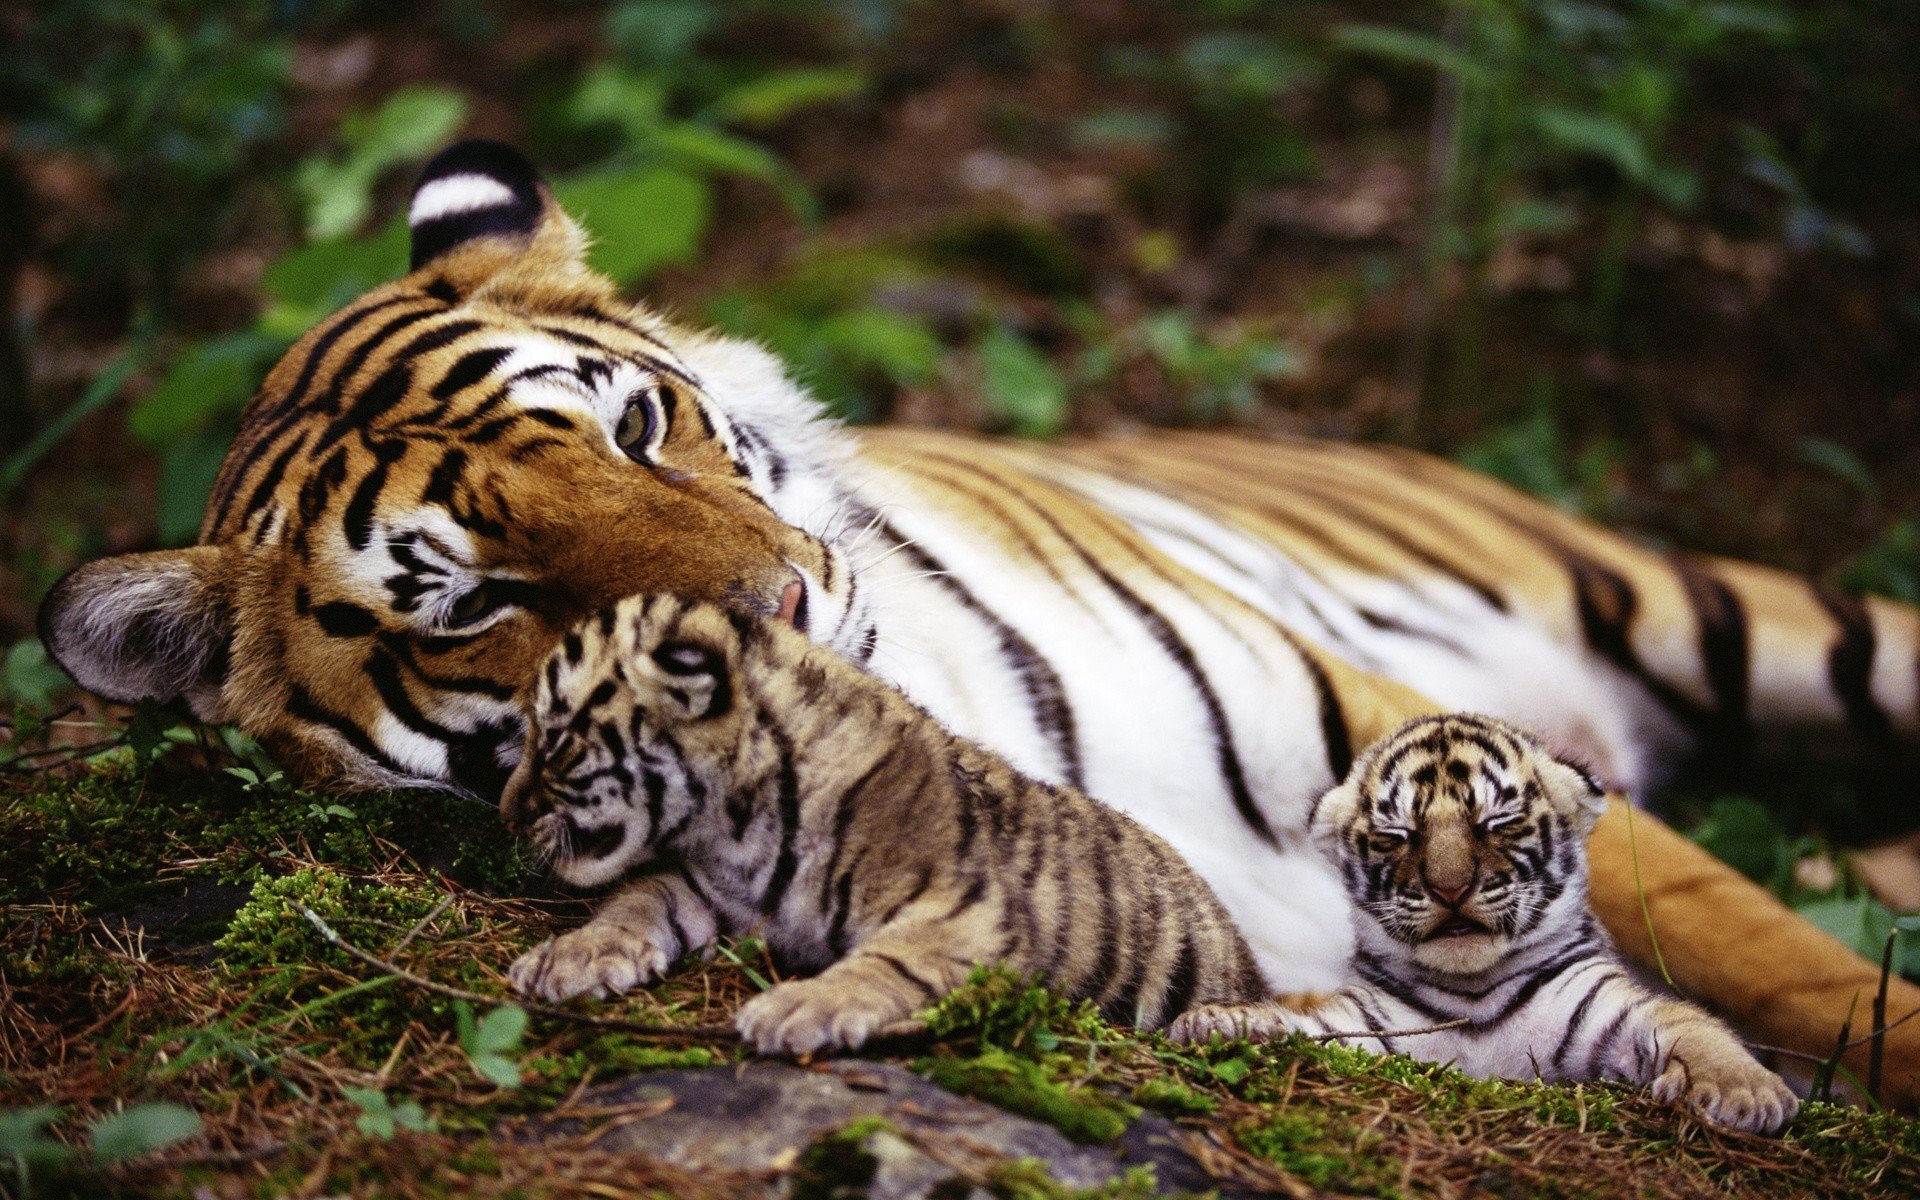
<point x="631" y="724"/>
<point x="1456" y="835"/>
<point x="439" y="480"/>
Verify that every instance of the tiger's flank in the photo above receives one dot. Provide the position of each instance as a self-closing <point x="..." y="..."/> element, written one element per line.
<point x="746" y="780"/>
<point x="1462" y="840"/>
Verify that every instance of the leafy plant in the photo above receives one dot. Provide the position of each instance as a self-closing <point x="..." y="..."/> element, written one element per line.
<point x="141" y="1129"/>
<point x="337" y="190"/>
<point x="489" y="1040"/>
<point x="381" y="1118"/>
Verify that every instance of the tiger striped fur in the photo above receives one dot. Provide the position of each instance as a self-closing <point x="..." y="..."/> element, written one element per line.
<point x="765" y="784"/>
<point x="1461" y="841"/>
<point x="1201" y="629"/>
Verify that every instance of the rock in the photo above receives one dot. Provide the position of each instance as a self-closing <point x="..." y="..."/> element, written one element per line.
<point x="762" y="1117"/>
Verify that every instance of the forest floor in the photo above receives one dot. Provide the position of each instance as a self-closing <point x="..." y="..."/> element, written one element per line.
<point x="158" y="945"/>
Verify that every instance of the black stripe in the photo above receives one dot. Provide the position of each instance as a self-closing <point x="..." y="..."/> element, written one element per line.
<point x="1850" y="668"/>
<point x="788" y="782"/>
<point x="1225" y="754"/>
<point x="1724" y="651"/>
<point x="1045" y="692"/>
<point x="283" y="411"/>
<point x="302" y="705"/>
<point x="926" y="989"/>
<point x="469" y="369"/>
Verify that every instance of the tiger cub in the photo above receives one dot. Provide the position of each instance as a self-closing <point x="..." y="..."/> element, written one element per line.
<point x="750" y="780"/>
<point x="1462" y="840"/>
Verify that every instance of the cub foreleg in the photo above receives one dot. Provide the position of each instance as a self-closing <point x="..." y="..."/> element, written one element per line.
<point x="634" y="937"/>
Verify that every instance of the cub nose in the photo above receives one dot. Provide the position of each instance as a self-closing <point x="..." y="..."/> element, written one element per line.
<point x="1449" y="892"/>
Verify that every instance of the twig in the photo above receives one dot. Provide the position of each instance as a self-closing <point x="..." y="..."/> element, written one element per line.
<point x="1822" y="1088"/>
<point x="1877" y="1049"/>
<point x="1384" y="1034"/>
<point x="421" y="924"/>
<point x="1863" y="1040"/>
<point x="682" y="1032"/>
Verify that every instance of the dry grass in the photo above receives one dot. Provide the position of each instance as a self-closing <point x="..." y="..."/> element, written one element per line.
<point x="263" y="1036"/>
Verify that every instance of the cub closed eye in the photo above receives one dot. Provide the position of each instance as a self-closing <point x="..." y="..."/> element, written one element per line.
<point x="1385" y="841"/>
<point x="688" y="658"/>
<point x="644" y="422"/>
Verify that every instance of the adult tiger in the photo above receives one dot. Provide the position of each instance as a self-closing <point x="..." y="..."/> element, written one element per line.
<point x="1199" y="629"/>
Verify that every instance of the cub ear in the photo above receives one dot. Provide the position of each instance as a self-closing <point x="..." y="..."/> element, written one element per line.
<point x="1332" y="813"/>
<point x="151" y="626"/>
<point x="481" y="208"/>
<point x="1574" y="792"/>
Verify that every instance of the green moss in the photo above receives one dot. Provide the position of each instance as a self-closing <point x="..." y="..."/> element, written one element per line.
<point x="101" y="838"/>
<point x="1031" y="1088"/>
<point x="840" y="1165"/>
<point x="618" y="1054"/>
<point x="997" y="1007"/>
<point x="1173" y="1098"/>
<point x="1320" y="1149"/>
<point x="270" y="932"/>
<point x="1028" y="1179"/>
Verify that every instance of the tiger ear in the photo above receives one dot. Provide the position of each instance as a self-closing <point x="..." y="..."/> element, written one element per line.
<point x="480" y="209"/>
<point x="1574" y="793"/>
<point x="151" y="626"/>
<point x="1332" y="813"/>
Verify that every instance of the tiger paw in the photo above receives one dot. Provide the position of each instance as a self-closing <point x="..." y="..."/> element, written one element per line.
<point x="1729" y="1089"/>
<point x="1232" y="1021"/>
<point x="594" y="960"/>
<point x="810" y="1015"/>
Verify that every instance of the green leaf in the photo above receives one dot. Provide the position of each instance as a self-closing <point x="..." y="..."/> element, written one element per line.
<point x="630" y="101"/>
<point x="701" y="149"/>
<point x="1601" y="135"/>
<point x="1840" y="462"/>
<point x="312" y="281"/>
<point x="642" y="218"/>
<point x="147" y="730"/>
<point x="380" y="1117"/>
<point x="488" y="1041"/>
<point x="141" y="1129"/>
<point x="1232" y="1071"/>
<point x="338" y="192"/>
<point x="1252" y="65"/>
<point x="774" y="97"/>
<point x="1411" y="48"/>
<point x="30" y="677"/>
<point x="207" y="380"/>
<point x="660" y="31"/>
<point x="1021" y="386"/>
<point x="500" y="1030"/>
<point x="1863" y="923"/>
<point x="1123" y="127"/>
<point x="187" y="473"/>
<point x="23" y="1136"/>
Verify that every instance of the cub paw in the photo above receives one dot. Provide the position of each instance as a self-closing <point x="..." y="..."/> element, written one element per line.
<point x="1231" y="1021"/>
<point x="595" y="961"/>
<point x="810" y="1015"/>
<point x="1730" y="1090"/>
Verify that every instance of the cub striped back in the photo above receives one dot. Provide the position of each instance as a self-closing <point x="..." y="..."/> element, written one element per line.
<point x="805" y="799"/>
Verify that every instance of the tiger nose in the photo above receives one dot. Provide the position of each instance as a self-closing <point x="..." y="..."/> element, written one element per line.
<point x="1450" y="893"/>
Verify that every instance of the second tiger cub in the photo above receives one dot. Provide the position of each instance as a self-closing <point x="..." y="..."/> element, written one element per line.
<point x="750" y="780"/>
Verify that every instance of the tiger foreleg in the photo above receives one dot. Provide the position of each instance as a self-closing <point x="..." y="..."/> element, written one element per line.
<point x="884" y="981"/>
<point x="1769" y="971"/>
<point x="631" y="940"/>
<point x="1685" y="1056"/>
<point x="1313" y="1014"/>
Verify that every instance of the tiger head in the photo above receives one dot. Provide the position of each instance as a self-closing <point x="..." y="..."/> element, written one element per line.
<point x="440" y="479"/>
<point x="636" y="729"/>
<point x="1459" y="838"/>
